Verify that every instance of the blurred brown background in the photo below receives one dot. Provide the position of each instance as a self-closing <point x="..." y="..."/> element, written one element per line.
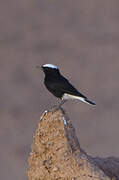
<point x="80" y="37"/>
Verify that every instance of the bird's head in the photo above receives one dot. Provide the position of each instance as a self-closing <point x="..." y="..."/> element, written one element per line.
<point x="49" y="68"/>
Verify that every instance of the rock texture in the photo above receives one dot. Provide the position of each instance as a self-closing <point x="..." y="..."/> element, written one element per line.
<point x="57" y="155"/>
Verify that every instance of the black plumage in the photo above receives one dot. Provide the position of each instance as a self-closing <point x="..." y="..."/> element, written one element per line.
<point x="59" y="86"/>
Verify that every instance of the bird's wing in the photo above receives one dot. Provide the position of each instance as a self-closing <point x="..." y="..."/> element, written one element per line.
<point x="70" y="89"/>
<point x="64" y="86"/>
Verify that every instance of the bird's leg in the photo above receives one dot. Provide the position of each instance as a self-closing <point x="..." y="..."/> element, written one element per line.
<point x="56" y="107"/>
<point x="62" y="102"/>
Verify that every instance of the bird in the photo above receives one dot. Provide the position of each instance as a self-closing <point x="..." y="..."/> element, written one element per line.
<point x="60" y="87"/>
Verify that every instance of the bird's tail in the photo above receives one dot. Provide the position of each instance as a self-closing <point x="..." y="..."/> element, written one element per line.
<point x="81" y="98"/>
<point x="86" y="100"/>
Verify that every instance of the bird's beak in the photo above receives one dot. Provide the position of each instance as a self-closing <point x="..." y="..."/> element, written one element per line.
<point x="41" y="68"/>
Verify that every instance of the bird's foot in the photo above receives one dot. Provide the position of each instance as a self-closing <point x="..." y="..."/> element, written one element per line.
<point x="58" y="106"/>
<point x="55" y="108"/>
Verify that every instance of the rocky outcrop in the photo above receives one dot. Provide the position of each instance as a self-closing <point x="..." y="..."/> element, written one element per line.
<point x="57" y="155"/>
